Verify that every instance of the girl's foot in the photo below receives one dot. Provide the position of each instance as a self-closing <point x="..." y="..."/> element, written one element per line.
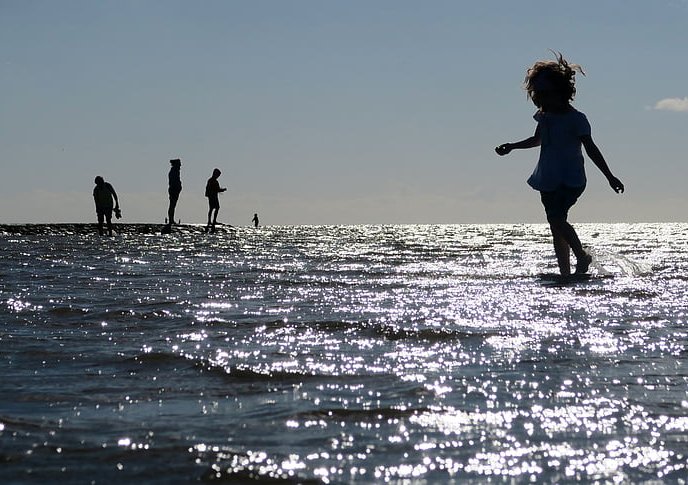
<point x="583" y="263"/>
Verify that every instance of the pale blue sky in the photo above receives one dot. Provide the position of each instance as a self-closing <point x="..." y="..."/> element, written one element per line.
<point x="332" y="112"/>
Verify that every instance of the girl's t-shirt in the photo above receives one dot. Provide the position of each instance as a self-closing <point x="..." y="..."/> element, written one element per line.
<point x="561" y="155"/>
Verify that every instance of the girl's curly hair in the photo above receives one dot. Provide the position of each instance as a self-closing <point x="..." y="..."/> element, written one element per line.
<point x="559" y="73"/>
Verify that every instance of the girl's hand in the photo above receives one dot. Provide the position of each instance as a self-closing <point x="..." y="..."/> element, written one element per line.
<point x="503" y="149"/>
<point x="616" y="184"/>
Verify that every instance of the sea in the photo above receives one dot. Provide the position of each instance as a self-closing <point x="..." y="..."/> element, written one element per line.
<point x="402" y="354"/>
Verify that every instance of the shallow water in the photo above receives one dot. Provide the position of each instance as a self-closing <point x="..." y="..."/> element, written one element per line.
<point x="358" y="354"/>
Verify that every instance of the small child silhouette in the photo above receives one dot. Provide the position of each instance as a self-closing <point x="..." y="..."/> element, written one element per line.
<point x="560" y="174"/>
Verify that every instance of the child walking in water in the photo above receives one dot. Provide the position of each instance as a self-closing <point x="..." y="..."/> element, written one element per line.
<point x="559" y="175"/>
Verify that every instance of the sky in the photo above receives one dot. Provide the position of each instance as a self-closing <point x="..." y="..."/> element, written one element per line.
<point x="332" y="111"/>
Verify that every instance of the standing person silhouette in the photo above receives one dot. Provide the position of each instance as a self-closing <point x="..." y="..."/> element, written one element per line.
<point x="255" y="220"/>
<point x="560" y="175"/>
<point x="212" y="190"/>
<point x="175" y="188"/>
<point x="103" y="195"/>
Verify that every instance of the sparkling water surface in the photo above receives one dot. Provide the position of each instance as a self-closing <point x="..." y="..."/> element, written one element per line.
<point x="357" y="354"/>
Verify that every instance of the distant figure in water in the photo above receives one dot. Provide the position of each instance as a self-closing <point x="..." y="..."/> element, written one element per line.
<point x="559" y="175"/>
<point x="103" y="195"/>
<point x="175" y="188"/>
<point x="212" y="190"/>
<point x="255" y="220"/>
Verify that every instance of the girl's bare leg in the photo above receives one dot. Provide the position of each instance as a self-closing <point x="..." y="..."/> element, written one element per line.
<point x="565" y="237"/>
<point x="562" y="250"/>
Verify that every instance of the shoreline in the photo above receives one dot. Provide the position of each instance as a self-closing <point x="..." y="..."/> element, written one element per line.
<point x="68" y="228"/>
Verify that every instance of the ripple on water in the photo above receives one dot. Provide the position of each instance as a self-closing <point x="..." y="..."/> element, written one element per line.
<point x="361" y="354"/>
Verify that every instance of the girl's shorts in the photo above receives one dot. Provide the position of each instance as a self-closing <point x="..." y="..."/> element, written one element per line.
<point x="558" y="202"/>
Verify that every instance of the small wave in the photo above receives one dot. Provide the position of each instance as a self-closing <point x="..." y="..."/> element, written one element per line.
<point x="156" y="358"/>
<point x="248" y="375"/>
<point x="24" y="424"/>
<point x="385" y="331"/>
<point x="374" y="329"/>
<point x="132" y="316"/>
<point x="639" y="294"/>
<point x="335" y="326"/>
<point x="266" y="374"/>
<point x="392" y="332"/>
<point x="67" y="311"/>
<point x="362" y="414"/>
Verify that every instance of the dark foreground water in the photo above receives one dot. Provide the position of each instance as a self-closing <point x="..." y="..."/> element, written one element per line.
<point x="361" y="354"/>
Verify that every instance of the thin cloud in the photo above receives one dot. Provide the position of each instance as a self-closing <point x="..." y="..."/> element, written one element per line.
<point x="672" y="104"/>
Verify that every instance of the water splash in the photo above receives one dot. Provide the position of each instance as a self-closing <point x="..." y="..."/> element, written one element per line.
<point x="606" y="262"/>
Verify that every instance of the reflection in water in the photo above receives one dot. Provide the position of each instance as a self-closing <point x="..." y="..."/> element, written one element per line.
<point x="344" y="354"/>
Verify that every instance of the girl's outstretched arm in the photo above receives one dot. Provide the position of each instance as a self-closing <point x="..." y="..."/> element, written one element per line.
<point x="596" y="156"/>
<point x="530" y="142"/>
